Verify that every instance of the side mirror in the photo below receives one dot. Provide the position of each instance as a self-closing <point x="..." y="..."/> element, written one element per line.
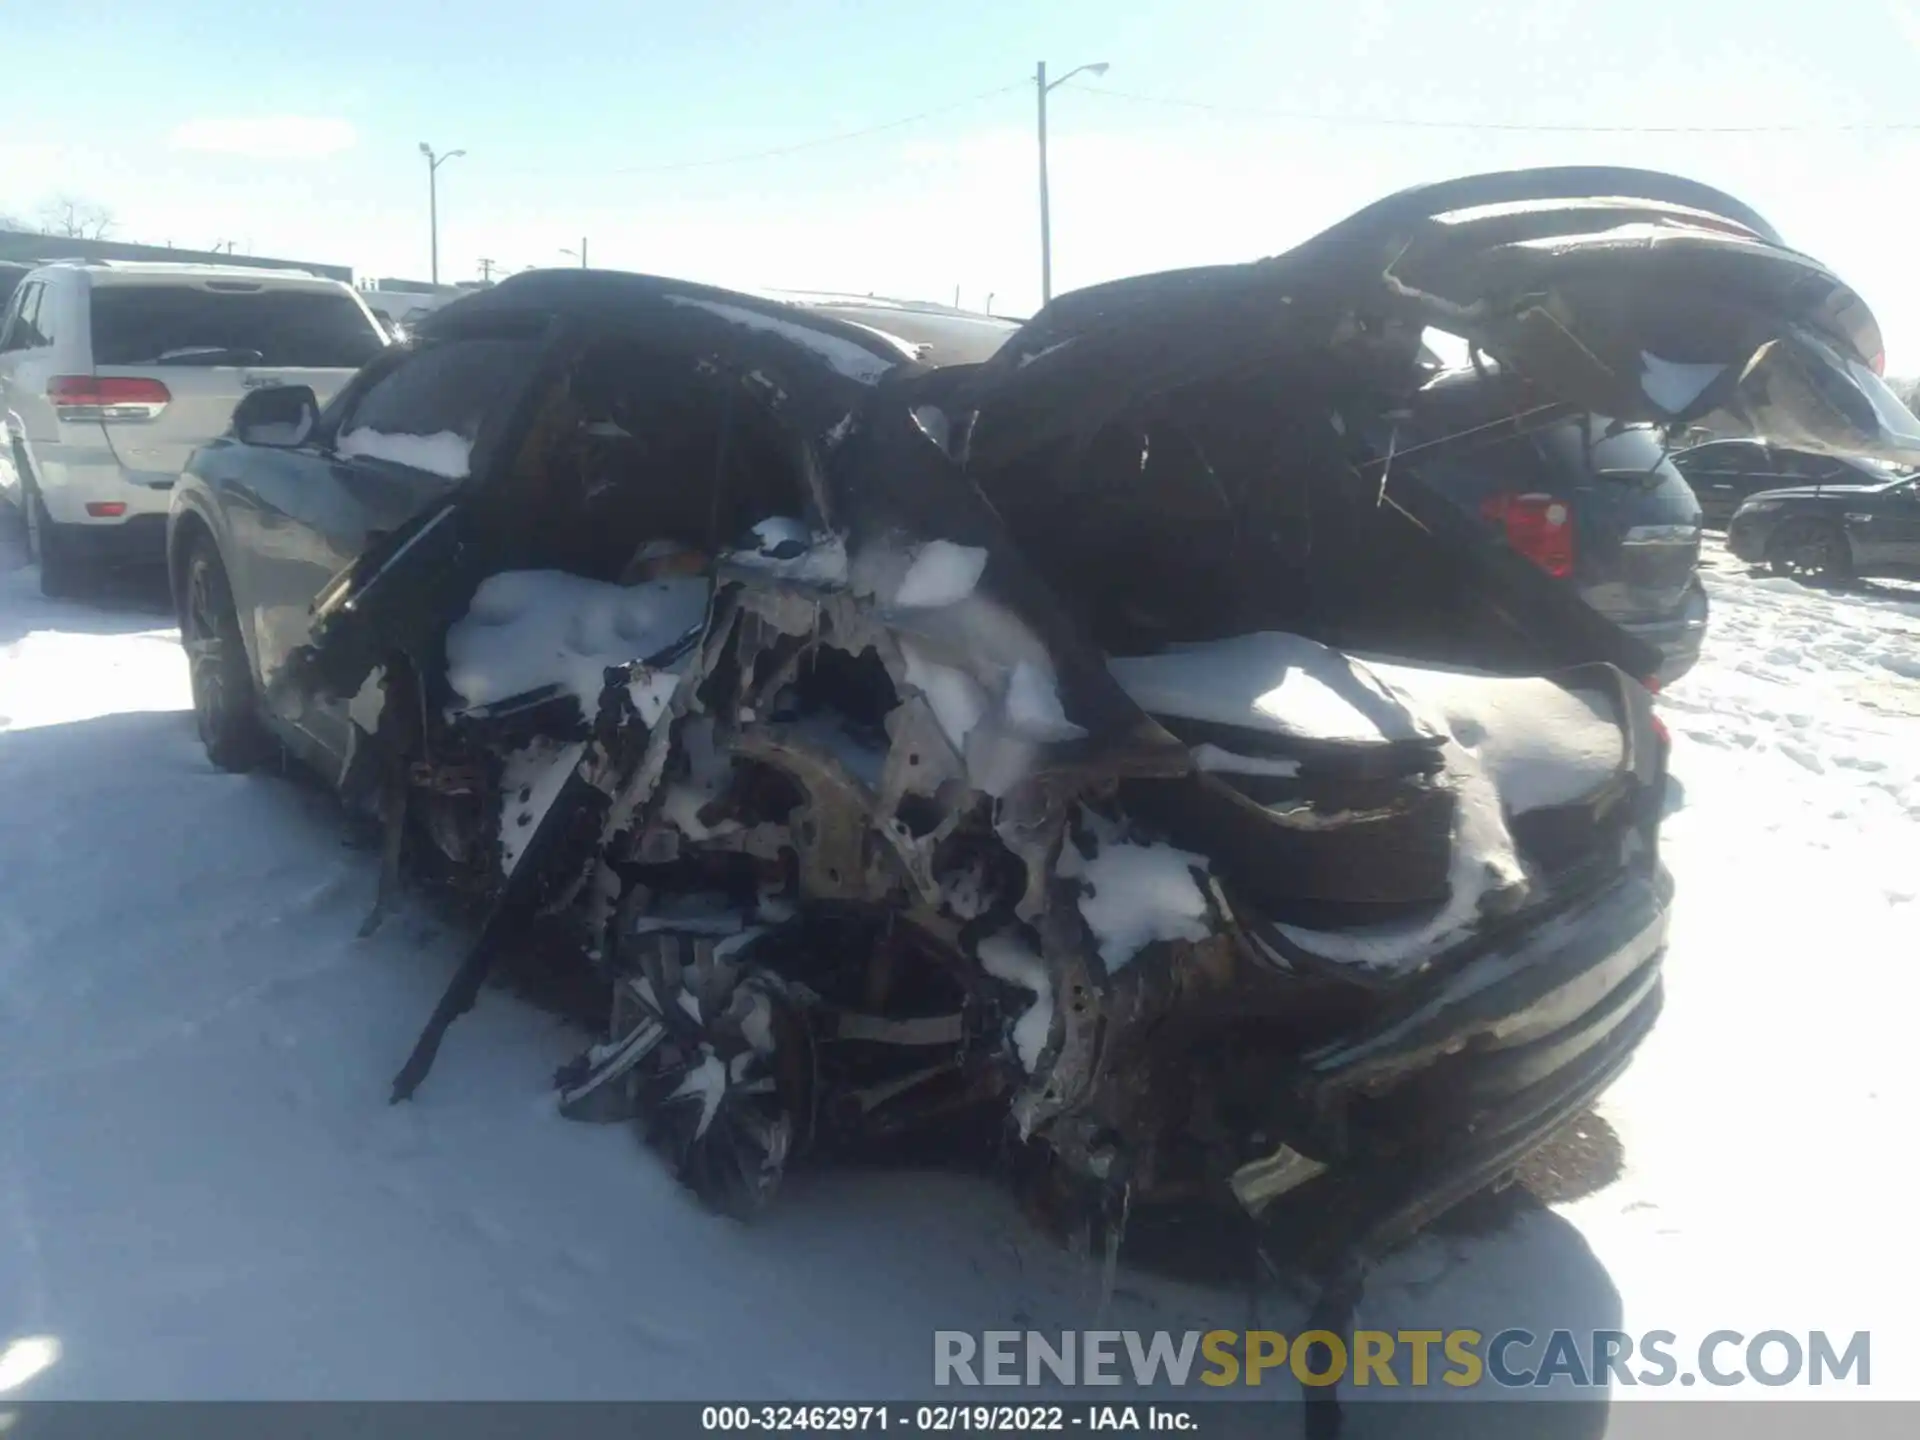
<point x="280" y="415"/>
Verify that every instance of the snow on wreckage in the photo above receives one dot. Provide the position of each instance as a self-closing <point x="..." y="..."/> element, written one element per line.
<point x="1042" y="739"/>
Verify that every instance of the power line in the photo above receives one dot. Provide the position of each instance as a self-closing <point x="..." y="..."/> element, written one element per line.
<point x="1306" y="117"/>
<point x="1383" y="122"/>
<point x="825" y="139"/>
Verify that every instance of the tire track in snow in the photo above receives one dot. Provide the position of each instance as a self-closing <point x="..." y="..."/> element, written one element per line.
<point x="1820" y="685"/>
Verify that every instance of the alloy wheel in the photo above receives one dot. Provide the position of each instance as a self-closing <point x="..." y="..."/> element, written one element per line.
<point x="1812" y="551"/>
<point x="217" y="668"/>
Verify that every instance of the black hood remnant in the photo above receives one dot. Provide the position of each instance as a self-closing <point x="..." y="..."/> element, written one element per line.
<point x="1116" y="739"/>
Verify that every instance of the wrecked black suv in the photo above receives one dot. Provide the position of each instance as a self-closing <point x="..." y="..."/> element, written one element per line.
<point x="1117" y="737"/>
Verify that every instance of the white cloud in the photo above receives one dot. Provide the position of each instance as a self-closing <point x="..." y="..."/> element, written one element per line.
<point x="1905" y="20"/>
<point x="266" y="137"/>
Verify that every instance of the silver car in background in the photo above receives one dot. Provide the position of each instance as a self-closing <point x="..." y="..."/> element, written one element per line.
<point x="111" y="373"/>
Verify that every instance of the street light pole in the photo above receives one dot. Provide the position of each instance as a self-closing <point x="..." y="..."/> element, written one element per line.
<point x="434" y="162"/>
<point x="1041" y="86"/>
<point x="580" y="254"/>
<point x="1046" y="218"/>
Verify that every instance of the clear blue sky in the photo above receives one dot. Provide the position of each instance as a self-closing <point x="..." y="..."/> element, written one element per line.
<point x="569" y="107"/>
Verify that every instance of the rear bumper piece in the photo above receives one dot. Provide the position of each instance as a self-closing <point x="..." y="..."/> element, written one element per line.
<point x="71" y="477"/>
<point x="1417" y="1197"/>
<point x="1429" y="1105"/>
<point x="136" y="540"/>
<point x="1678" y="637"/>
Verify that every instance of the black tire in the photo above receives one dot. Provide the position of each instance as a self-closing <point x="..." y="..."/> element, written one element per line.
<point x="62" y="573"/>
<point x="226" y="703"/>
<point x="1810" y="549"/>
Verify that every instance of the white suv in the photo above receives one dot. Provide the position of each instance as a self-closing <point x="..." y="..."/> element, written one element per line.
<point x="112" y="373"/>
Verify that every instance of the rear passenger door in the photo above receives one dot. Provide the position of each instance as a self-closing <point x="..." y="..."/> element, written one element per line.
<point x="1886" y="529"/>
<point x="1903" y="526"/>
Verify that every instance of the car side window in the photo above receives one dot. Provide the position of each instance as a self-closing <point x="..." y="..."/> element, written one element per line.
<point x="449" y="386"/>
<point x="1730" y="458"/>
<point x="1814" y="469"/>
<point x="22" y="330"/>
<point x="33" y="334"/>
<point x="45" y="308"/>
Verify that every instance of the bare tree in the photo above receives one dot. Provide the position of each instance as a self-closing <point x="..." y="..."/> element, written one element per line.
<point x="73" y="219"/>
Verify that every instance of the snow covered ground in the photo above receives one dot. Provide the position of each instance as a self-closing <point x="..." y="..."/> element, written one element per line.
<point x="203" y="1192"/>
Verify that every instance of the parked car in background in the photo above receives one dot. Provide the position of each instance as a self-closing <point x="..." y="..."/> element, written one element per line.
<point x="1833" y="532"/>
<point x="111" y="373"/>
<point x="938" y="335"/>
<point x="1724" y="473"/>
<point x="1595" y="504"/>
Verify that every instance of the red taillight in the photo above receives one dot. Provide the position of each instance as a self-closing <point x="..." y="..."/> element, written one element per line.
<point x="1539" y="527"/>
<point x="1652" y="683"/>
<point x="106" y="509"/>
<point x="106" y="397"/>
<point x="1879" y="364"/>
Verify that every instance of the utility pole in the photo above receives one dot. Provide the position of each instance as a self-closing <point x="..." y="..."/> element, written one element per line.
<point x="486" y="271"/>
<point x="1041" y="86"/>
<point x="434" y="162"/>
<point x="1046" y="220"/>
<point x="580" y="254"/>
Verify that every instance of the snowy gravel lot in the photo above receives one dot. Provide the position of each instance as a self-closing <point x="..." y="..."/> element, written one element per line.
<point x="203" y="1192"/>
